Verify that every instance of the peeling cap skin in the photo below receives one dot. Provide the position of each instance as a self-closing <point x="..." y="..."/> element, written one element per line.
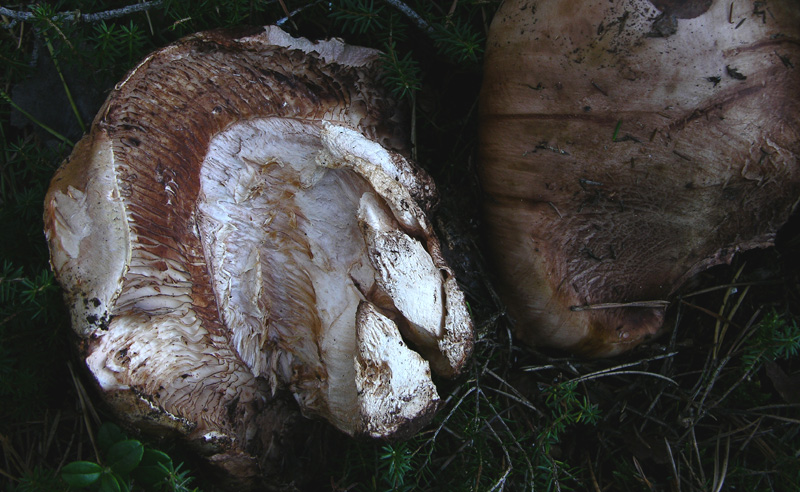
<point x="241" y="221"/>
<point x="627" y="146"/>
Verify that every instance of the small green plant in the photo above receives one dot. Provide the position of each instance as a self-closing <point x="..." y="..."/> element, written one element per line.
<point x="127" y="465"/>
<point x="403" y="74"/>
<point x="459" y="41"/>
<point x="567" y="408"/>
<point x="396" y="461"/>
<point x="359" y="16"/>
<point x="776" y="338"/>
<point x="39" y="480"/>
<point x="114" y="43"/>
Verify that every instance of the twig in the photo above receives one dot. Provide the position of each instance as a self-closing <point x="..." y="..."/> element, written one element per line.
<point x="469" y="442"/>
<point x="519" y="400"/>
<point x="17" y="15"/>
<point x="617" y="373"/>
<point x="617" y="369"/>
<point x="450" y="414"/>
<point x="614" y="305"/>
<point x="288" y="14"/>
<point x="539" y="368"/>
<point x="294" y="12"/>
<point x="508" y="430"/>
<point x="517" y="396"/>
<point x="409" y="12"/>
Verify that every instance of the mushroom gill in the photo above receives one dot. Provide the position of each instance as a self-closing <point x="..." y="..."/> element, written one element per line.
<point x="627" y="146"/>
<point x="241" y="221"/>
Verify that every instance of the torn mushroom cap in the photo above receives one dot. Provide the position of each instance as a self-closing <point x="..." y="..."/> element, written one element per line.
<point x="228" y="230"/>
<point x="620" y="156"/>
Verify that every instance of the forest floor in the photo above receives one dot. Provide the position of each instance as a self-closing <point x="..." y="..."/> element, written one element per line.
<point x="712" y="405"/>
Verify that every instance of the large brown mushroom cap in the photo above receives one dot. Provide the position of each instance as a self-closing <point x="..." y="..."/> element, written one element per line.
<point x="241" y="220"/>
<point x="627" y="146"/>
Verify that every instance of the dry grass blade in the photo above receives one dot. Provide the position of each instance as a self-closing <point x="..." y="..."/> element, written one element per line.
<point x="619" y="373"/>
<point x="500" y="483"/>
<point x="667" y="414"/>
<point x="709" y="312"/>
<point x="721" y="329"/>
<point x="730" y="286"/>
<point x="697" y="456"/>
<point x="14" y="464"/>
<point x="539" y="368"/>
<point x="642" y="475"/>
<point x="720" y="470"/>
<point x="618" y="370"/>
<point x="87" y="409"/>
<point x="595" y="485"/>
<point x="676" y="476"/>
<point x="511" y="436"/>
<point x="616" y="305"/>
<point x="450" y="414"/>
<point x="517" y="396"/>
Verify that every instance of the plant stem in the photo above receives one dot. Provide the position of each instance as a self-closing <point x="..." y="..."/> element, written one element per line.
<point x="33" y="119"/>
<point x="64" y="84"/>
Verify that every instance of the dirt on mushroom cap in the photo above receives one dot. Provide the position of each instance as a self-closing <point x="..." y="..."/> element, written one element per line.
<point x="621" y="157"/>
<point x="206" y="233"/>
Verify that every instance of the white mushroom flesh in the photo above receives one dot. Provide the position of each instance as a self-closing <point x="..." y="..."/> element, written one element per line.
<point x="240" y="195"/>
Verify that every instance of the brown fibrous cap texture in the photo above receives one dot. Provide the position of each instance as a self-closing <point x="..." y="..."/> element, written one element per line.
<point x="184" y="230"/>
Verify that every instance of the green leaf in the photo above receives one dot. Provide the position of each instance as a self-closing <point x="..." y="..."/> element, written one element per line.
<point x="124" y="456"/>
<point x="154" y="468"/>
<point x="80" y="474"/>
<point x="109" y="482"/>
<point x="108" y="435"/>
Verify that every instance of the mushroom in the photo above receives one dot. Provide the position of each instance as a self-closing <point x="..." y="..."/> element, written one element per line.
<point x="241" y="221"/>
<point x="627" y="146"/>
